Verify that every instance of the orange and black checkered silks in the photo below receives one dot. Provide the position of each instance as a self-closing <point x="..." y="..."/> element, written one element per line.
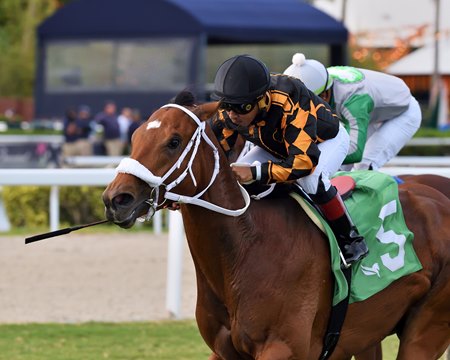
<point x="289" y="127"/>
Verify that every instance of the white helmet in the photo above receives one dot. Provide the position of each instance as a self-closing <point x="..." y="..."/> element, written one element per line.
<point x="312" y="72"/>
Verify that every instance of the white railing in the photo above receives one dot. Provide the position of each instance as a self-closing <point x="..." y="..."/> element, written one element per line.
<point x="429" y="141"/>
<point x="56" y="178"/>
<point x="91" y="161"/>
<point x="419" y="161"/>
<point x="411" y="170"/>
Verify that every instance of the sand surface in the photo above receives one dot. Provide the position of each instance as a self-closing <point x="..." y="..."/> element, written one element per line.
<point x="83" y="277"/>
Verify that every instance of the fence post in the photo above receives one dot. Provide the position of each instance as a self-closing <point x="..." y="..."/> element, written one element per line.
<point x="5" y="225"/>
<point x="174" y="264"/>
<point x="157" y="222"/>
<point x="54" y="208"/>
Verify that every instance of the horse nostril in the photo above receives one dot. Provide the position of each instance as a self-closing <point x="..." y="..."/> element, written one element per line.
<point x="122" y="200"/>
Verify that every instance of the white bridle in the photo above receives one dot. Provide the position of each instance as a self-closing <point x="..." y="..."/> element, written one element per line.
<point x="134" y="167"/>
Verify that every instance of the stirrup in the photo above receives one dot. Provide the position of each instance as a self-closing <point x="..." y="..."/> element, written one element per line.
<point x="360" y="251"/>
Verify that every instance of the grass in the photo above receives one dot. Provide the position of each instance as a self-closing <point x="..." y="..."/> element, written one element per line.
<point x="168" y="340"/>
<point x="95" y="341"/>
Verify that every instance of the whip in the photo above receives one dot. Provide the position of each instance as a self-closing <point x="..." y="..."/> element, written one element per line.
<point x="61" y="232"/>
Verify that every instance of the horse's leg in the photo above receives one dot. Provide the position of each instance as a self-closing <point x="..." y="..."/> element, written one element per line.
<point x="213" y="322"/>
<point x="276" y="350"/>
<point x="214" y="357"/>
<point x="426" y="334"/>
<point x="374" y="353"/>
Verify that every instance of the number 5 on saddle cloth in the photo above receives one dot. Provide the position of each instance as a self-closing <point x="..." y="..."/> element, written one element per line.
<point x="373" y="203"/>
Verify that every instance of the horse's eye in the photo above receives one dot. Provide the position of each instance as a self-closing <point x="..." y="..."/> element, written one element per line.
<point x="174" y="143"/>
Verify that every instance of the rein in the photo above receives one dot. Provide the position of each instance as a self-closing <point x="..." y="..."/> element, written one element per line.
<point x="134" y="167"/>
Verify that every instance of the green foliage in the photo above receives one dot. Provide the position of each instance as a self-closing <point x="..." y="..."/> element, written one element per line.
<point x="425" y="151"/>
<point x="28" y="206"/>
<point x="430" y="132"/>
<point x="19" y="131"/>
<point x="81" y="205"/>
<point x="18" y="22"/>
<point x="443" y="150"/>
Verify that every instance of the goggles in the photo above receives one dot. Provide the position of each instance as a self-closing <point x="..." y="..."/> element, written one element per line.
<point x="238" y="108"/>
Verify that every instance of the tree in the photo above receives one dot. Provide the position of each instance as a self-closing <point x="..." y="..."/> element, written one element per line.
<point x="18" y="22"/>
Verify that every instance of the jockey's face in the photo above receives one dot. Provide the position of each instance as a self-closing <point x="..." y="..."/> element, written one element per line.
<point x="243" y="120"/>
<point x="326" y="95"/>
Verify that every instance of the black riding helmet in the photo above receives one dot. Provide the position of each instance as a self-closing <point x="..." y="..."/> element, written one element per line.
<point x="241" y="79"/>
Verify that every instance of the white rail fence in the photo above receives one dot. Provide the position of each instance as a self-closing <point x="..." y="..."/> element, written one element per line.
<point x="56" y="178"/>
<point x="101" y="177"/>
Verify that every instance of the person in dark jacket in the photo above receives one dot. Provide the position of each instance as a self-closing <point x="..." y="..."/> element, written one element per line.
<point x="108" y="119"/>
<point x="297" y="138"/>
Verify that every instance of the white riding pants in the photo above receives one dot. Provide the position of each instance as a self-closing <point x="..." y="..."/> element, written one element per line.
<point x="386" y="139"/>
<point x="332" y="154"/>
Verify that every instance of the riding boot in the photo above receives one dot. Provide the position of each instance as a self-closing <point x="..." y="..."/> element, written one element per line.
<point x="351" y="243"/>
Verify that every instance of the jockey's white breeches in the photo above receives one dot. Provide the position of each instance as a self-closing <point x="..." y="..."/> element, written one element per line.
<point x="385" y="139"/>
<point x="332" y="154"/>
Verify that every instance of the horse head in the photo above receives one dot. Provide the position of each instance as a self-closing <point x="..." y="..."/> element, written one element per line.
<point x="168" y="151"/>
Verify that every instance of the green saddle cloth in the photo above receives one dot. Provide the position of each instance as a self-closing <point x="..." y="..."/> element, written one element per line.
<point x="376" y="211"/>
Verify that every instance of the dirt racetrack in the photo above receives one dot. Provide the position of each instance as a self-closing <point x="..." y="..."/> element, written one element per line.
<point x="83" y="277"/>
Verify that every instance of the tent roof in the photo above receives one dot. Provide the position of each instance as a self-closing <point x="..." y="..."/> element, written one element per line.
<point x="421" y="61"/>
<point x="221" y="21"/>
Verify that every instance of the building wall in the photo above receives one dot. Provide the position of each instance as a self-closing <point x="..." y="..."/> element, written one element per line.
<point x="23" y="108"/>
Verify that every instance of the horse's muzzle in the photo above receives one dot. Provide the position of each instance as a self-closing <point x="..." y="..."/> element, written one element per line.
<point x="123" y="209"/>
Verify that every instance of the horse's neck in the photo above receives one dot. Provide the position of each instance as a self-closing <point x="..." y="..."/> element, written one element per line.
<point x="215" y="240"/>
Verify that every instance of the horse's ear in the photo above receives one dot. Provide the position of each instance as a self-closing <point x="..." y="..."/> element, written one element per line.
<point x="207" y="110"/>
<point x="184" y="98"/>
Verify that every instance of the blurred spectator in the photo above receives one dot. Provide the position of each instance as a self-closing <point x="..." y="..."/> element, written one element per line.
<point x="71" y="133"/>
<point x="136" y="121"/>
<point x="85" y="130"/>
<point x="124" y="123"/>
<point x="77" y="130"/>
<point x="108" y="119"/>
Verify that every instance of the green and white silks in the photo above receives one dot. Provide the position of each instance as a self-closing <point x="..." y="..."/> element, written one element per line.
<point x="362" y="97"/>
<point x="376" y="210"/>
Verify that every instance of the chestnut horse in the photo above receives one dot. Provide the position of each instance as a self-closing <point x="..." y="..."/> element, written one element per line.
<point x="263" y="268"/>
<point x="440" y="183"/>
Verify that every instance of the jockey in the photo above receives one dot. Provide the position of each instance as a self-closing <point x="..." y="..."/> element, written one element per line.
<point x="377" y="109"/>
<point x="297" y="138"/>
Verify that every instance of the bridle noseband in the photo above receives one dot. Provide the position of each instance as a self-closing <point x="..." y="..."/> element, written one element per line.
<point x="134" y="167"/>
